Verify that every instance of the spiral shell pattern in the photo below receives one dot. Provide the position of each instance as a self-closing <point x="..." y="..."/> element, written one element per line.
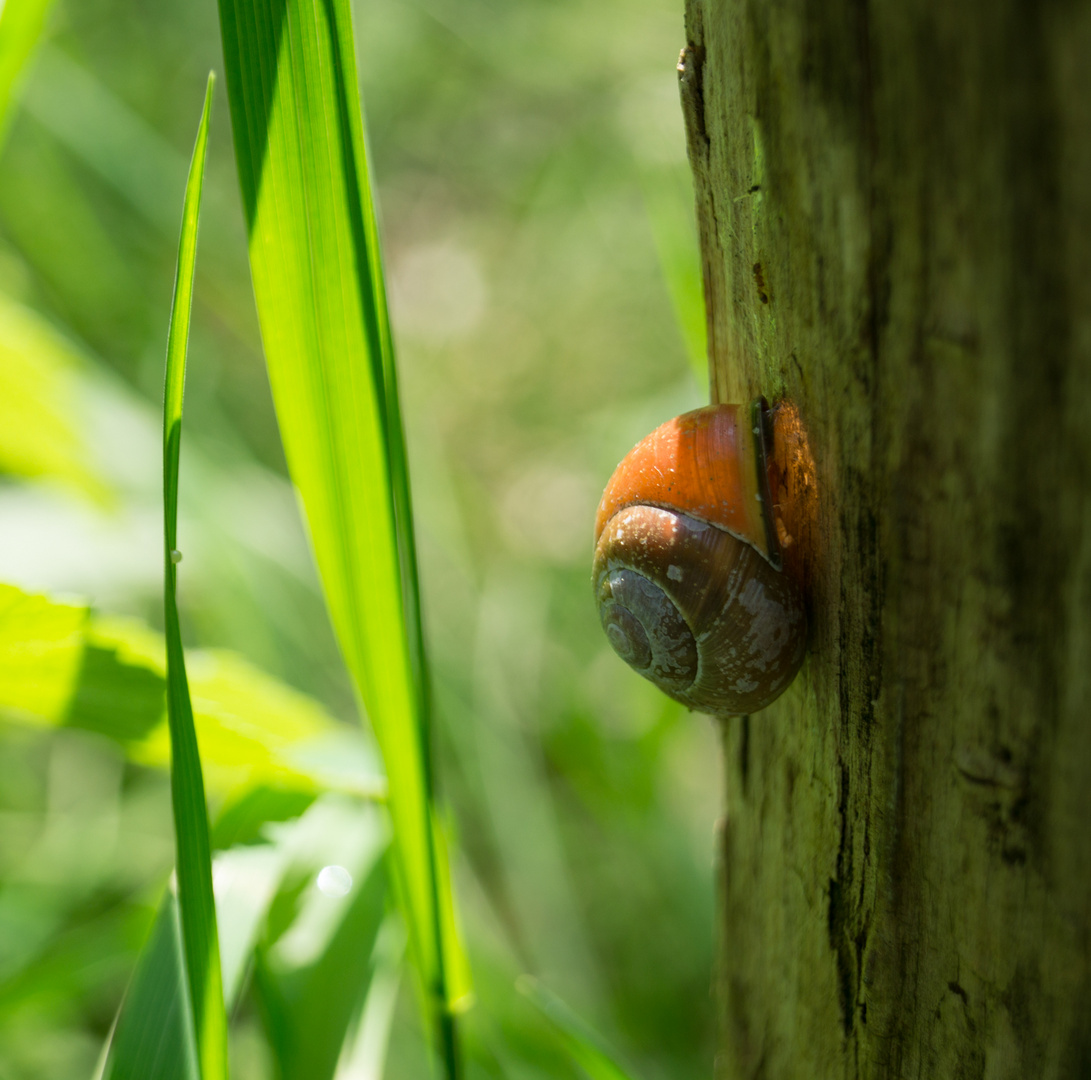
<point x="695" y="607"/>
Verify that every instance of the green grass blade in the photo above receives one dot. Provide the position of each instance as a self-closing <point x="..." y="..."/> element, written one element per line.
<point x="586" y="1048"/>
<point x="21" y="24"/>
<point x="151" y="1040"/>
<point x="318" y="282"/>
<point x="193" y="850"/>
<point x="152" y="1037"/>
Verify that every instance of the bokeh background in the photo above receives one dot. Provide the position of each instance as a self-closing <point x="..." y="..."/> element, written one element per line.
<point x="537" y="219"/>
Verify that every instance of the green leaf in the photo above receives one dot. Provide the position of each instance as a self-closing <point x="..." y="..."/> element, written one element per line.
<point x="312" y="977"/>
<point x="586" y="1048"/>
<point x="41" y="404"/>
<point x="41" y="646"/>
<point x="252" y="729"/>
<point x="317" y="274"/>
<point x="243" y="820"/>
<point x="151" y="1039"/>
<point x="365" y="1052"/>
<point x="193" y="852"/>
<point x="62" y="666"/>
<point x="21" y="24"/>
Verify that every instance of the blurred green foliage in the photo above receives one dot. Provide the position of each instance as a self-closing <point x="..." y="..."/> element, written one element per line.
<point x="533" y="190"/>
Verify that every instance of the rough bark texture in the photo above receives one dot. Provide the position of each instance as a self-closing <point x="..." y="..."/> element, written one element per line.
<point x="894" y="200"/>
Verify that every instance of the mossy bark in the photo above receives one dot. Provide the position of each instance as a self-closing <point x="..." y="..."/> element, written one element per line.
<point x="894" y="201"/>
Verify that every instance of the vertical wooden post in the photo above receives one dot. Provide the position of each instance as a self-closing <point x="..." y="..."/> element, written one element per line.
<point x="894" y="201"/>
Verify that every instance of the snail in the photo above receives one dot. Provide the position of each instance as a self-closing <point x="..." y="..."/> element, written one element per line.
<point x="688" y="571"/>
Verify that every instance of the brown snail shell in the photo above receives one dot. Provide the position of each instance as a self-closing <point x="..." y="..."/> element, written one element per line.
<point x="687" y="569"/>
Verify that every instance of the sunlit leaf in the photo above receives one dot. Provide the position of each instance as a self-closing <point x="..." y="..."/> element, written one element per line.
<point x="41" y="647"/>
<point x="61" y="666"/>
<point x="318" y="281"/>
<point x="193" y="849"/>
<point x="41" y="430"/>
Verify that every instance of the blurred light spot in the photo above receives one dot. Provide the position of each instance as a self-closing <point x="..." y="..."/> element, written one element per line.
<point x="223" y="877"/>
<point x="125" y="436"/>
<point x="438" y="292"/>
<point x="334" y="881"/>
<point x="549" y="511"/>
<point x="52" y="543"/>
<point x="650" y="115"/>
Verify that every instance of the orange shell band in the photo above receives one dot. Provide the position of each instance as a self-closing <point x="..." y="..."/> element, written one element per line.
<point x="704" y="463"/>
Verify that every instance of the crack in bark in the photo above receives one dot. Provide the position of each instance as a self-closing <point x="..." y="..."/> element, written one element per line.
<point x="691" y="86"/>
<point x="838" y="913"/>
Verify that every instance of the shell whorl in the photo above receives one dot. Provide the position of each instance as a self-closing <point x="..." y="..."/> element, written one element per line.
<point x="692" y="604"/>
<point x="646" y="629"/>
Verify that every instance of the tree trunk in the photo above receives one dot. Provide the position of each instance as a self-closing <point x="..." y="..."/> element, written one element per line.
<point x="894" y="201"/>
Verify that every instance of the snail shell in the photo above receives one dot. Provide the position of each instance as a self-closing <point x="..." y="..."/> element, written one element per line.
<point x="687" y="569"/>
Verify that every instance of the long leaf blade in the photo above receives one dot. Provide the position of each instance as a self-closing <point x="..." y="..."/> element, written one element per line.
<point x="150" y="1039"/>
<point x="200" y="944"/>
<point x="317" y="275"/>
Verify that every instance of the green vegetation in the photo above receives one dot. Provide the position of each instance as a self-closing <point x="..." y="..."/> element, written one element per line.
<point x="537" y="812"/>
<point x="318" y="279"/>
<point x="192" y="848"/>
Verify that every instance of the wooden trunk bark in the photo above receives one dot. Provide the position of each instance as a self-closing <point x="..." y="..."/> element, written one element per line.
<point x="894" y="201"/>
